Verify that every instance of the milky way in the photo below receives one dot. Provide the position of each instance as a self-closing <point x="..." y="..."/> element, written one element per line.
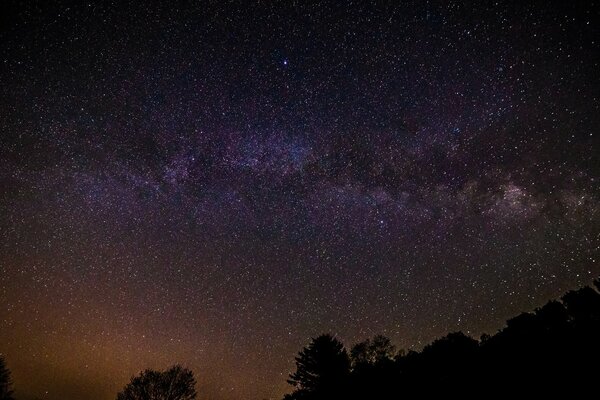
<point x="213" y="183"/>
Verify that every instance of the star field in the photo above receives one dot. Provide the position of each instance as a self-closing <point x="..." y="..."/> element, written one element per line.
<point x="213" y="183"/>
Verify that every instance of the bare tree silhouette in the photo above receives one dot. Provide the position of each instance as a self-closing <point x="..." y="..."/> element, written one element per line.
<point x="176" y="383"/>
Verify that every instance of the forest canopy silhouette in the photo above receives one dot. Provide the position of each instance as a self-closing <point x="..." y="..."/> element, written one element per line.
<point x="554" y="348"/>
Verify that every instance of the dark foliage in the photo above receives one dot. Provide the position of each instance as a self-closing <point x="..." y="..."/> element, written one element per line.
<point x="6" y="392"/>
<point x="176" y="383"/>
<point x="372" y="351"/>
<point x="321" y="369"/>
<point x="552" y="351"/>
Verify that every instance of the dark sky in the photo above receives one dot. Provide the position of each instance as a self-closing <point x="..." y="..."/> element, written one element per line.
<point x="213" y="183"/>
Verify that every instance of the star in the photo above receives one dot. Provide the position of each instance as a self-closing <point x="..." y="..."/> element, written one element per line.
<point x="214" y="185"/>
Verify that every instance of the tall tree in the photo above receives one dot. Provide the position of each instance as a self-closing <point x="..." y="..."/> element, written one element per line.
<point x="372" y="351"/>
<point x="321" y="369"/>
<point x="176" y="383"/>
<point x="6" y="392"/>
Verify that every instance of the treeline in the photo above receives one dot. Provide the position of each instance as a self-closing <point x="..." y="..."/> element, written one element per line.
<point x="552" y="351"/>
<point x="174" y="383"/>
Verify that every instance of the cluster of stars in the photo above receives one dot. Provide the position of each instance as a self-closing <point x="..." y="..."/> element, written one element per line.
<point x="213" y="183"/>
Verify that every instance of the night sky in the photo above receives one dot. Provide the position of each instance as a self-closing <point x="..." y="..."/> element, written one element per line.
<point x="213" y="183"/>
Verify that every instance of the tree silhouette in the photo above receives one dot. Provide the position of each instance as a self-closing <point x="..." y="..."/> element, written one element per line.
<point x="372" y="351"/>
<point x="176" y="383"/>
<point x="583" y="305"/>
<point x="372" y="368"/>
<point x="6" y="392"/>
<point x="554" y="349"/>
<point x="321" y="370"/>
